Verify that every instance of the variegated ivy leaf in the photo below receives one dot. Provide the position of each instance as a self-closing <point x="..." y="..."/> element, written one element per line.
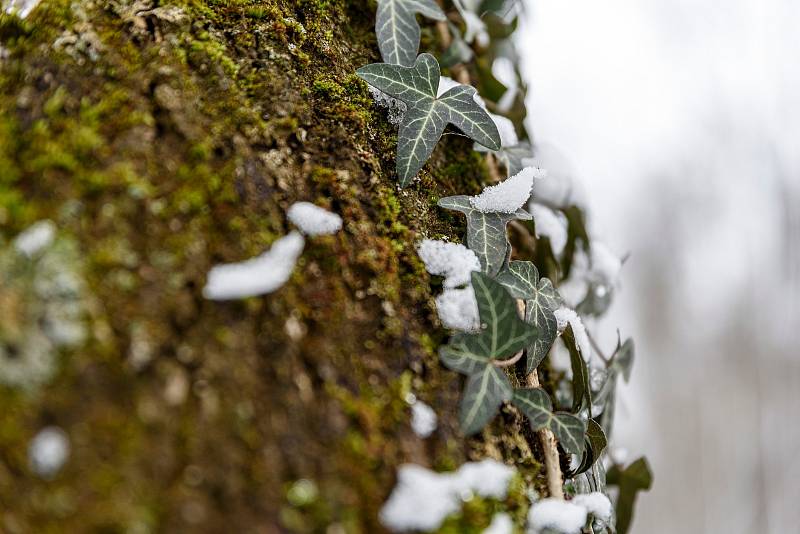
<point x="595" y="445"/>
<point x="484" y="393"/>
<point x="522" y="280"/>
<point x="397" y="29"/>
<point x="503" y="334"/>
<point x="486" y="232"/>
<point x="428" y="115"/>
<point x="569" y="431"/>
<point x="535" y="405"/>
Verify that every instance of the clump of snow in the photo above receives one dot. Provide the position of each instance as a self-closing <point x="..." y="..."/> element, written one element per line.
<point x="507" y="196"/>
<point x="504" y="72"/>
<point x="555" y="514"/>
<point x="395" y="108"/>
<point x="48" y="451"/>
<point x="445" y="84"/>
<point x="423" y="419"/>
<point x="22" y="8"/>
<point x="596" y="504"/>
<point x="458" y="309"/>
<point x="566" y="316"/>
<point x="256" y="276"/>
<point x="550" y="224"/>
<point x="35" y="238"/>
<point x="422" y="498"/>
<point x="501" y="524"/>
<point x="313" y="220"/>
<point x="454" y="261"/>
<point x="476" y="29"/>
<point x="508" y="134"/>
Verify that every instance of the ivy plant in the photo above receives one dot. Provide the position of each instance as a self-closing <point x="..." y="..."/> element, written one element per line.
<point x="427" y="114"/>
<point x="397" y="29"/>
<point x="479" y="355"/>
<point x="569" y="429"/>
<point x="486" y="232"/>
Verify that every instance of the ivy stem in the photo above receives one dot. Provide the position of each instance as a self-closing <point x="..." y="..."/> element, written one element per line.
<point x="552" y="462"/>
<point x="509" y="362"/>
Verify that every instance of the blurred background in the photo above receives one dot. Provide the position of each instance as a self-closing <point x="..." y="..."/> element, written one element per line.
<point x="679" y="121"/>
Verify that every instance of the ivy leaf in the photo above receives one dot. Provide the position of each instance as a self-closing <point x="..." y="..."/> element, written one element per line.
<point x="622" y="362"/>
<point x="521" y="278"/>
<point x="428" y="115"/>
<point x="397" y="29"/>
<point x="581" y="389"/>
<point x="595" y="445"/>
<point x="466" y="353"/>
<point x="484" y="393"/>
<point x="515" y="158"/>
<point x="535" y="405"/>
<point x="506" y="332"/>
<point x="569" y="431"/>
<point x="634" y="478"/>
<point x="486" y="232"/>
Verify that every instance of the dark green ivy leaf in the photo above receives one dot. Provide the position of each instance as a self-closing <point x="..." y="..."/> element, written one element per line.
<point x="631" y="480"/>
<point x="397" y="29"/>
<point x="486" y="232"/>
<point x="569" y="431"/>
<point x="484" y="393"/>
<point x="622" y="361"/>
<point x="535" y="405"/>
<point x="541" y="300"/>
<point x="581" y="389"/>
<point x="428" y="115"/>
<point x="504" y="331"/>
<point x="595" y="445"/>
<point x="514" y="158"/>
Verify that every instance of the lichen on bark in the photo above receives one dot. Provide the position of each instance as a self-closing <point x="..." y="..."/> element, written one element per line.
<point x="165" y="137"/>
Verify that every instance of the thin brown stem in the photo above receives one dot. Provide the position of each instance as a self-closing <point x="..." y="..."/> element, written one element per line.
<point x="509" y="362"/>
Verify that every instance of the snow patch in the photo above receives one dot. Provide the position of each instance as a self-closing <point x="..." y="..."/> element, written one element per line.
<point x="35" y="238"/>
<point x="507" y="196"/>
<point x="313" y="220"/>
<point x="422" y="498"/>
<point x="458" y="309"/>
<point x="501" y="524"/>
<point x="550" y="224"/>
<point x="596" y="504"/>
<point x="566" y="316"/>
<point x="445" y="84"/>
<point x="48" y="451"/>
<point x="454" y="261"/>
<point x="423" y="419"/>
<point x="256" y="276"/>
<point x="562" y="516"/>
<point x="508" y="134"/>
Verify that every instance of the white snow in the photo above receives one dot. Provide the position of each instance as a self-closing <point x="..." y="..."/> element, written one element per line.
<point x="596" y="504"/>
<point x="606" y="266"/>
<point x="550" y="224"/>
<point x="508" y="134"/>
<point x="508" y="196"/>
<point x="501" y="524"/>
<point x="35" y="238"/>
<point x="422" y="498"/>
<point x="476" y="29"/>
<point x="445" y="84"/>
<point x="458" y="309"/>
<point x="562" y="516"/>
<point x="423" y="419"/>
<point x="256" y="276"/>
<point x="313" y="220"/>
<point x="22" y="8"/>
<point x="503" y="71"/>
<point x="566" y="316"/>
<point x="48" y="451"/>
<point x="454" y="261"/>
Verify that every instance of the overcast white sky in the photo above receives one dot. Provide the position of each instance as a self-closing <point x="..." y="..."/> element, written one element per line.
<point x="681" y="120"/>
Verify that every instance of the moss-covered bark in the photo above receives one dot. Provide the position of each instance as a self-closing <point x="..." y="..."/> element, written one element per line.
<point x="165" y="137"/>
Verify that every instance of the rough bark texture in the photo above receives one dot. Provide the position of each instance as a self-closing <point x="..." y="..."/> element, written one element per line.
<point x="163" y="138"/>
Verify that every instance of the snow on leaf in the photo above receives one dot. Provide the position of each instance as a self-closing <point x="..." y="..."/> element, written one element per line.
<point x="596" y="504"/>
<point x="550" y="224"/>
<point x="458" y="309"/>
<point x="256" y="276"/>
<point x="313" y="220"/>
<point x="508" y="196"/>
<point x="454" y="261"/>
<point x="486" y="232"/>
<point x="428" y="114"/>
<point x="397" y="28"/>
<point x="558" y="515"/>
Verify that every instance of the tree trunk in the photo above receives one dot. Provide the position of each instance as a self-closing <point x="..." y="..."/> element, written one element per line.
<point x="163" y="138"/>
